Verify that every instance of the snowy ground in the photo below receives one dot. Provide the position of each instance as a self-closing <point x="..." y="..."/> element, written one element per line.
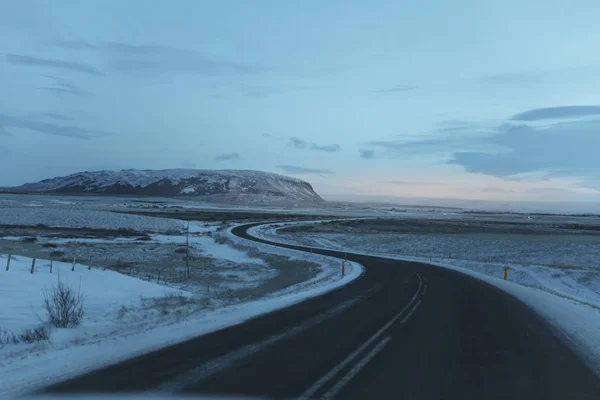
<point x="127" y="316"/>
<point x="69" y="217"/>
<point x="560" y="263"/>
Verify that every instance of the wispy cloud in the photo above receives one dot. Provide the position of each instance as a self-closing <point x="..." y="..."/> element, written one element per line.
<point x="74" y="45"/>
<point x="294" y="169"/>
<point x="52" y="63"/>
<point x="557" y="113"/>
<point x="142" y="60"/>
<point x="49" y="128"/>
<point x="496" y="190"/>
<point x="409" y="183"/>
<point x="298" y="143"/>
<point x="329" y="148"/>
<point x="400" y="88"/>
<point x="3" y="131"/>
<point x="228" y="157"/>
<point x="559" y="150"/>
<point x="61" y="86"/>
<point x="134" y="59"/>
<point x="59" y="117"/>
<point x="367" y="154"/>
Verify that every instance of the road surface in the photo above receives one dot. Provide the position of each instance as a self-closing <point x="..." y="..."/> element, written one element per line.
<point x="404" y="330"/>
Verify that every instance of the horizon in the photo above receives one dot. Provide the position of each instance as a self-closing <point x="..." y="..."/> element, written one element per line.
<point x="465" y="204"/>
<point x="399" y="100"/>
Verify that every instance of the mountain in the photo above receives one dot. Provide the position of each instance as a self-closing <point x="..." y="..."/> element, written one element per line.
<point x="235" y="185"/>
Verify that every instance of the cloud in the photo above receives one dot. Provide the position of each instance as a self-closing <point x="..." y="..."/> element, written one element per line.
<point x="427" y="146"/>
<point x="61" y="86"/>
<point x="330" y="148"/>
<point x="49" y="128"/>
<point x="74" y="45"/>
<point x="559" y="150"/>
<point x="398" y="182"/>
<point x="366" y="154"/>
<point x="228" y="157"/>
<point x="59" y="117"/>
<point x="496" y="190"/>
<point x="401" y="88"/>
<point x="298" y="143"/>
<point x="133" y="59"/>
<point x="51" y="63"/>
<point x="3" y="131"/>
<point x="408" y="183"/>
<point x="294" y="169"/>
<point x="152" y="60"/>
<point x="557" y="113"/>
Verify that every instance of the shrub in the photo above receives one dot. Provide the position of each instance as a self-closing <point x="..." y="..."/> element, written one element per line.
<point x="29" y="239"/>
<point x="57" y="254"/>
<point x="30" y="335"/>
<point x="181" y="250"/>
<point x="7" y="337"/>
<point x="64" y="306"/>
<point x="50" y="245"/>
<point x="33" y="335"/>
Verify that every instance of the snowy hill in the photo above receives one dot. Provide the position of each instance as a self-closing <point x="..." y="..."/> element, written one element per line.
<point x="239" y="185"/>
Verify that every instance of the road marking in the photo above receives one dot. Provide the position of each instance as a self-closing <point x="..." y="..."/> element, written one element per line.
<point x="411" y="312"/>
<point x="335" y="370"/>
<point x="356" y="369"/>
<point x="209" y="368"/>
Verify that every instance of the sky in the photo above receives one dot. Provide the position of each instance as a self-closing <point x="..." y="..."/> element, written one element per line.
<point x="462" y="99"/>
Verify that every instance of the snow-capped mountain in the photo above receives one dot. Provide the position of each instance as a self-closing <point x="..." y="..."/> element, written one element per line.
<point x="234" y="184"/>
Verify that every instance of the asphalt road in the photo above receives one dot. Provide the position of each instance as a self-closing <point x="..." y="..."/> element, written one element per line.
<point x="402" y="331"/>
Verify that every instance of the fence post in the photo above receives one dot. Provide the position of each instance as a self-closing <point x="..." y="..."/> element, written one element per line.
<point x="505" y="273"/>
<point x="90" y="264"/>
<point x="32" y="266"/>
<point x="8" y="261"/>
<point x="343" y="268"/>
<point x="158" y="278"/>
<point x="50" y="266"/>
<point x="73" y="267"/>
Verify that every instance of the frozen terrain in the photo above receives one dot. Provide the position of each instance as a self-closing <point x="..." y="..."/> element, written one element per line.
<point x="138" y="295"/>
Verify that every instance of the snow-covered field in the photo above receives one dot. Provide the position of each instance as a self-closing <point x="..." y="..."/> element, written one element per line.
<point x="106" y="295"/>
<point x="126" y="316"/>
<point x="69" y="217"/>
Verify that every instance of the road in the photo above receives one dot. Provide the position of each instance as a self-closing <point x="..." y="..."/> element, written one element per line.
<point x="404" y="330"/>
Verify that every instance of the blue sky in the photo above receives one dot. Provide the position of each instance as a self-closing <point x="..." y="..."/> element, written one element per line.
<point x="462" y="99"/>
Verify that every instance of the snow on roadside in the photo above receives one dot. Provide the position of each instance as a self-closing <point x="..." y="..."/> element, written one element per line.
<point x="104" y="292"/>
<point x="327" y="279"/>
<point x="43" y="367"/>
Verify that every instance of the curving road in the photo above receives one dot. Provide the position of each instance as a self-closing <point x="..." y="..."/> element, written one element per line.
<point x="402" y="331"/>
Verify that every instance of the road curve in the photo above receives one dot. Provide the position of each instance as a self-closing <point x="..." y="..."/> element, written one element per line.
<point x="404" y="330"/>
